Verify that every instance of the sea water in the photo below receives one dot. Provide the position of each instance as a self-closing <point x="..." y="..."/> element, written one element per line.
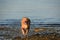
<point x="10" y="28"/>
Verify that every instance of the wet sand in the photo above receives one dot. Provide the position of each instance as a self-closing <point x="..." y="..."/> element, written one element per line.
<point x="52" y="36"/>
<point x="42" y="36"/>
<point x="37" y="36"/>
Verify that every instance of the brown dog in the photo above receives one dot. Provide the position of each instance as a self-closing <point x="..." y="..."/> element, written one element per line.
<point x="25" y="25"/>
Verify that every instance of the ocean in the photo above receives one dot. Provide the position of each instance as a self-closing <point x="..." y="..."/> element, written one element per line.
<point x="10" y="28"/>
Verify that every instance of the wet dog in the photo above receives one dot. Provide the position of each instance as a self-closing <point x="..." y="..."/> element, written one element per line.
<point x="25" y="25"/>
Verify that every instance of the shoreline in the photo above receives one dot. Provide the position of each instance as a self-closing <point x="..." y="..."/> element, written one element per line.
<point x="53" y="36"/>
<point x="42" y="33"/>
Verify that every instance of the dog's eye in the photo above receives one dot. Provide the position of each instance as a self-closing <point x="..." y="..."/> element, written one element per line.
<point x="25" y="21"/>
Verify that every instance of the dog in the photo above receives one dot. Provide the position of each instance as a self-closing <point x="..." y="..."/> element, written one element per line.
<point x="25" y="25"/>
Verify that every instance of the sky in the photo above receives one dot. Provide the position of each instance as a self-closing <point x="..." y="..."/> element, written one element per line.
<point x="16" y="9"/>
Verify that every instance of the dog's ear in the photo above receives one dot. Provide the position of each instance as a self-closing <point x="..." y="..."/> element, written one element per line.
<point x="29" y="20"/>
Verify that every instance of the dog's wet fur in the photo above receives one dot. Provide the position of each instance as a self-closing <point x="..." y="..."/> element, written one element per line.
<point x="25" y="25"/>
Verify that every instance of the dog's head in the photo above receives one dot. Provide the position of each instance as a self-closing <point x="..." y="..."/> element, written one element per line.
<point x="25" y="22"/>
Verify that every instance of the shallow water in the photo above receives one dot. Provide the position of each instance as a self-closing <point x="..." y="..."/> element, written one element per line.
<point x="10" y="29"/>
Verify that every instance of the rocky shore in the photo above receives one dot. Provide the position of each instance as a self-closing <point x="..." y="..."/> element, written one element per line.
<point x="51" y="36"/>
<point x="35" y="34"/>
